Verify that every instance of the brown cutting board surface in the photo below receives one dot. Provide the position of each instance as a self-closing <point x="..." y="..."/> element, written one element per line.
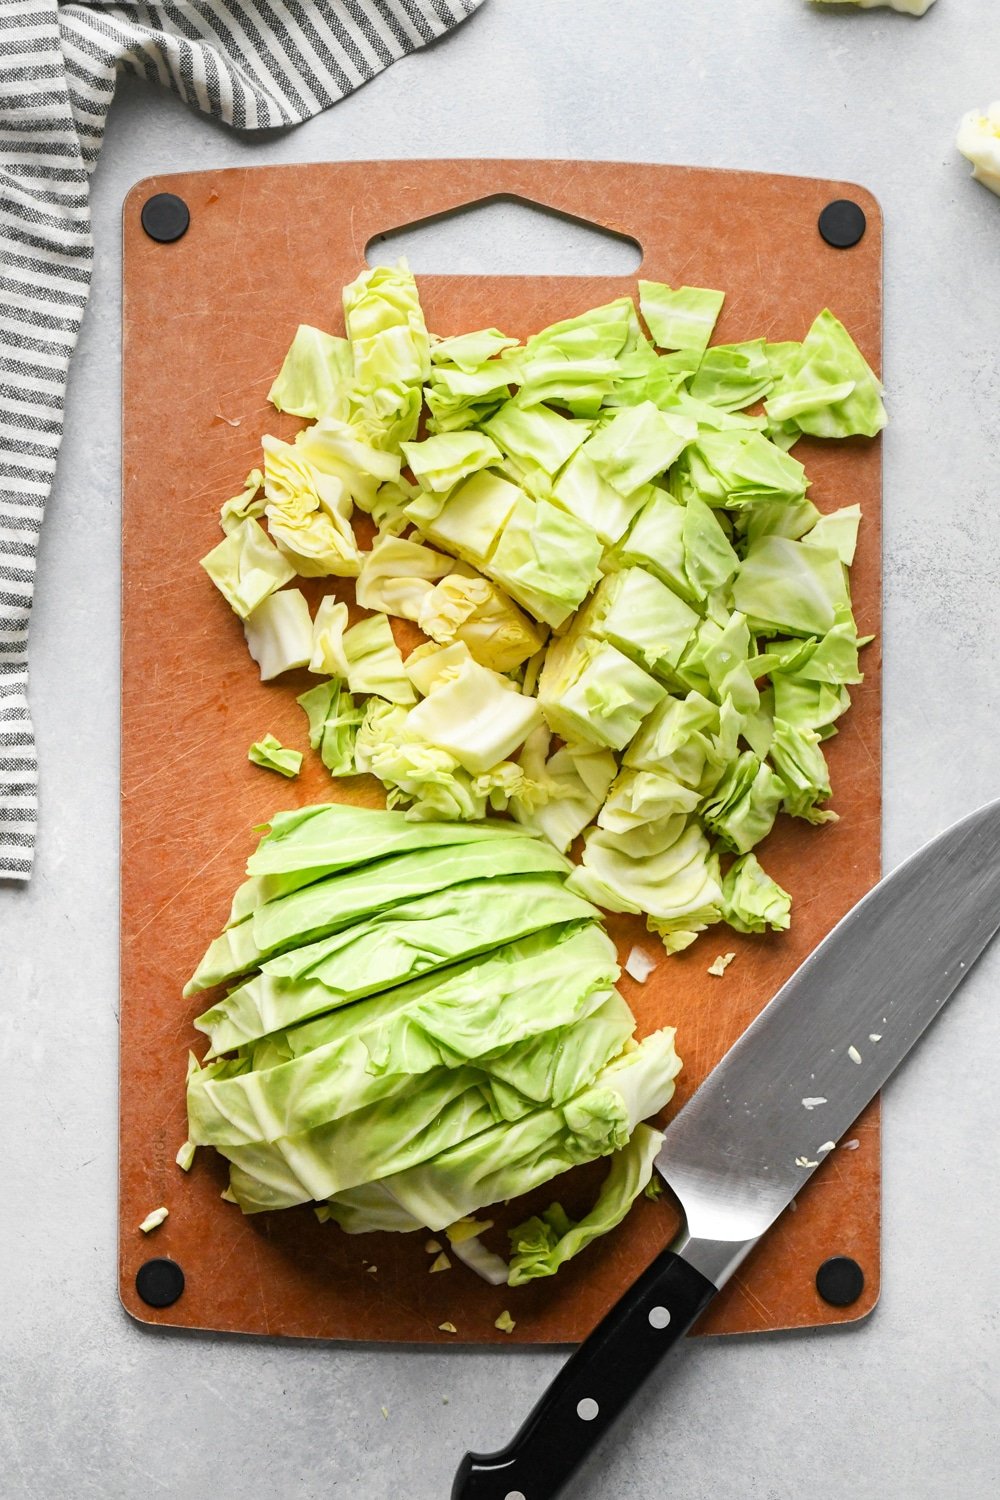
<point x="207" y="321"/>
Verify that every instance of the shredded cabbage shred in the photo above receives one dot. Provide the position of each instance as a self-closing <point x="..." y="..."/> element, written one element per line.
<point x="425" y="1022"/>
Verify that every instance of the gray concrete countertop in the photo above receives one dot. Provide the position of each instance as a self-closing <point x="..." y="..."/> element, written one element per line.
<point x="903" y="1406"/>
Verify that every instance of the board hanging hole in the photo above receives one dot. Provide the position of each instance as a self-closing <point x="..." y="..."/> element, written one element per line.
<point x="506" y="235"/>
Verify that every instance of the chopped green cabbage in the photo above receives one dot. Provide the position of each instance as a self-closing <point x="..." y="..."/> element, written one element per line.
<point x="308" y="513"/>
<point x="642" y="618"/>
<point x="605" y="546"/>
<point x="681" y="319"/>
<point x="751" y="900"/>
<point x="791" y="586"/>
<point x="279" y="633"/>
<point x="477" y="717"/>
<point x="546" y="559"/>
<point x="272" y="755"/>
<point x="316" y="366"/>
<point x="665" y="869"/>
<point x="247" y="503"/>
<point x="398" y="574"/>
<point x="828" y="390"/>
<point x="590" y="691"/>
<point x="247" y="567"/>
<point x="979" y="142"/>
<point x="442" y="460"/>
<point x="543" y="1243"/>
<point x="474" y="611"/>
<point x="334" y="719"/>
<point x="373" y="663"/>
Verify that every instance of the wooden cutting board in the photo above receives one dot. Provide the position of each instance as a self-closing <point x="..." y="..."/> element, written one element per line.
<point x="207" y="321"/>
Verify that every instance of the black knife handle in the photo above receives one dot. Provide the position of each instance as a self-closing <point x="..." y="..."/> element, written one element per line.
<point x="592" y="1388"/>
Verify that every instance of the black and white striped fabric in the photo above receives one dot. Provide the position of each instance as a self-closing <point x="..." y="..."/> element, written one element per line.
<point x="255" y="64"/>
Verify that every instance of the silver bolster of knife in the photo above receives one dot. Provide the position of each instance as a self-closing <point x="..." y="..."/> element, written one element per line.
<point x="715" y="1259"/>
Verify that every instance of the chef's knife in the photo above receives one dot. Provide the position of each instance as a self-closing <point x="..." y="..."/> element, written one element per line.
<point x="760" y="1125"/>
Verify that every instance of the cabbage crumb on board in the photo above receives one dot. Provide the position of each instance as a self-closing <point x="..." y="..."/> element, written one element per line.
<point x="424" y="1023"/>
<point x="635" y="624"/>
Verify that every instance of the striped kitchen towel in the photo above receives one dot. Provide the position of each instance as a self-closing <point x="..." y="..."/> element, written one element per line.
<point x="255" y="64"/>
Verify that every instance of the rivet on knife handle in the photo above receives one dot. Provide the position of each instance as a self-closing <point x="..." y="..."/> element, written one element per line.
<point x="592" y="1388"/>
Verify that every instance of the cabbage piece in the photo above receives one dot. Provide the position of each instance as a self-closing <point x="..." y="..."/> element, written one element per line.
<point x="718" y="663"/>
<point x="574" y="782"/>
<point x="731" y="376"/>
<point x="796" y="756"/>
<point x="543" y="1243"/>
<point x="470" y="519"/>
<point x="709" y="559"/>
<point x="316" y="368"/>
<point x="321" y="1070"/>
<point x="511" y="1159"/>
<point x="637" y="444"/>
<point x="744" y="805"/>
<point x="736" y="467"/>
<point x="431" y="665"/>
<point x="590" y="691"/>
<point x="426" y="779"/>
<point x="681" y="319"/>
<point x="641" y="617"/>
<point x="600" y="333"/>
<point x="441" y="461"/>
<point x="373" y="662"/>
<point x="462" y="394"/>
<point x="786" y="585"/>
<point x="385" y="324"/>
<point x="665" y="869"/>
<point x="475" y="718"/>
<point x="751" y="900"/>
<point x="829" y="391"/>
<point x="334" y="836"/>
<point x="474" y="611"/>
<point x="329" y="626"/>
<point x="638" y="797"/>
<point x="387" y="507"/>
<point x="331" y="902"/>
<point x="247" y="503"/>
<point x="656" y="543"/>
<point x="470" y="350"/>
<point x="906" y="7"/>
<point x="582" y="490"/>
<point x="350" y="466"/>
<point x="450" y="1105"/>
<point x="554" y="1065"/>
<point x="272" y="755"/>
<point x="675" y="740"/>
<point x="979" y="142"/>
<point x="573" y="362"/>
<point x="247" y="567"/>
<point x="777" y="518"/>
<point x="383" y="418"/>
<point x="546" y="559"/>
<point x="334" y="719"/>
<point x="837" y="531"/>
<point x="535" y="436"/>
<point x="387" y="949"/>
<point x="308" y="513"/>
<point x="397" y="575"/>
<point x="279" y="633"/>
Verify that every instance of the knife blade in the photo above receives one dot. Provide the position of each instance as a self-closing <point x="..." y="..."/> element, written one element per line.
<point x="760" y="1125"/>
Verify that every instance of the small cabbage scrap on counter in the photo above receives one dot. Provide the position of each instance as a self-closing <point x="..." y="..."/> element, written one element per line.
<point x="425" y="1022"/>
<point x="979" y="142"/>
<point x="634" y="625"/>
<point x="907" y="7"/>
